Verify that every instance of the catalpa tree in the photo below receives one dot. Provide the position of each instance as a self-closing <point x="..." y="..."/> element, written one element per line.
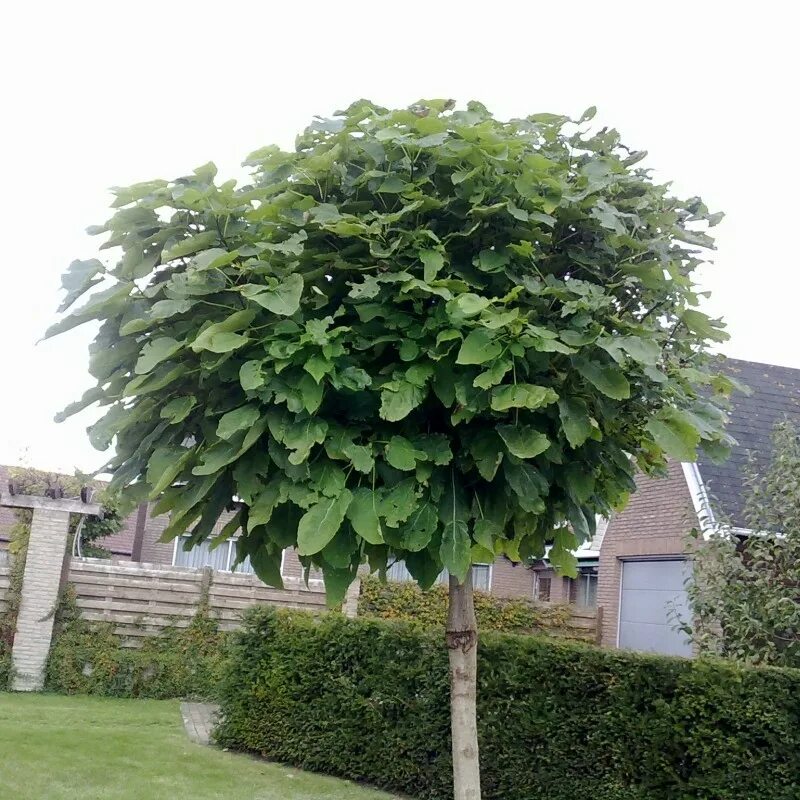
<point x="424" y="335"/>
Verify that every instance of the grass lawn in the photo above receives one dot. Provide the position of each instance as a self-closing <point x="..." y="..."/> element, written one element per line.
<point x="63" y="748"/>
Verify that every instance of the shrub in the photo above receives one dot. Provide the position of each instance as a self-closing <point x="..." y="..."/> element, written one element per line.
<point x="89" y="658"/>
<point x="405" y="601"/>
<point x="367" y="700"/>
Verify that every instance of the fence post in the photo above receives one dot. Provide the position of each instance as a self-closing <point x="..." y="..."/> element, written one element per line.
<point x="598" y="637"/>
<point x="41" y="580"/>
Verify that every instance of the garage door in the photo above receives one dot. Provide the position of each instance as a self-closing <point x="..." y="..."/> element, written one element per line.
<point x="653" y="595"/>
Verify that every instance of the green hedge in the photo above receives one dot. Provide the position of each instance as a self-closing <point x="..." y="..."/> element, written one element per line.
<point x="368" y="700"/>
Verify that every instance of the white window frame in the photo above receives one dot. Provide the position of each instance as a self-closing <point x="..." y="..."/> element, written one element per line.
<point x="441" y="578"/>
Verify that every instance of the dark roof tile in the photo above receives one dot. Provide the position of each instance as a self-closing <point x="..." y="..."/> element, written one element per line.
<point x="775" y="396"/>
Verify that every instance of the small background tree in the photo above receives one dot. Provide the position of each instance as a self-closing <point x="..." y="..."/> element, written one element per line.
<point x="425" y="334"/>
<point x="745" y="593"/>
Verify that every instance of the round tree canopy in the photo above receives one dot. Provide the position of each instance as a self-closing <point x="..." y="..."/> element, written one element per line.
<point x="424" y="334"/>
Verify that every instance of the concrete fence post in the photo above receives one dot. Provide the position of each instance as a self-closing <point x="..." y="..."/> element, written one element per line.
<point x="47" y="549"/>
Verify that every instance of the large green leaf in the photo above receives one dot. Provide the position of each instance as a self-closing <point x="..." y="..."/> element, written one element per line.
<point x="575" y="420"/>
<point x="455" y="549"/>
<point x="675" y="435"/>
<point x="478" y="348"/>
<point x="399" y="399"/>
<point x="363" y="515"/>
<point x="234" y="322"/>
<point x="610" y="380"/>
<point x="156" y="351"/>
<point x="237" y="420"/>
<point x="401" y="454"/>
<point x="284" y="299"/>
<point x="523" y="441"/>
<point x="321" y="522"/>
<point x="521" y="395"/>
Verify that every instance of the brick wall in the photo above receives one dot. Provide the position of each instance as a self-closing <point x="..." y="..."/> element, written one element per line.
<point x="654" y="523"/>
<point x="511" y="580"/>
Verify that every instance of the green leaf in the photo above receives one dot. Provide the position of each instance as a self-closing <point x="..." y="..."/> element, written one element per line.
<point x="188" y="246"/>
<point x="523" y="441"/>
<point x="178" y="409"/>
<point x="156" y="351"/>
<point x="235" y="322"/>
<point x="417" y="532"/>
<point x="702" y="325"/>
<point x="264" y="505"/>
<point x="608" y="379"/>
<point x="522" y="395"/>
<point x="645" y="351"/>
<point x="318" y="367"/>
<point x="478" y="348"/>
<point x="337" y="582"/>
<point x="401" y="454"/>
<point x="214" y="258"/>
<point x="226" y="342"/>
<point x="164" y="466"/>
<point x="675" y="435"/>
<point x="363" y="515"/>
<point x="575" y="420"/>
<point x="321" y="522"/>
<point x="284" y="299"/>
<point x="491" y="261"/>
<point x="466" y="306"/>
<point x="398" y="399"/>
<point x="302" y="436"/>
<point x="237" y="420"/>
<point x="398" y="504"/>
<point x="493" y="375"/>
<point x="433" y="261"/>
<point x="528" y="484"/>
<point x="486" y="449"/>
<point x="267" y="566"/>
<point x="250" y="376"/>
<point x="79" y="278"/>
<point x="455" y="549"/>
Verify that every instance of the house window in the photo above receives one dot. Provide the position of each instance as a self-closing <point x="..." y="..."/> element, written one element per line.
<point x="201" y="555"/>
<point x="481" y="575"/>
<point x="583" y="589"/>
<point x="541" y="589"/>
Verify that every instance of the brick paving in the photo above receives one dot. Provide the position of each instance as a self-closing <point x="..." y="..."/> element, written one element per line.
<point x="199" y="720"/>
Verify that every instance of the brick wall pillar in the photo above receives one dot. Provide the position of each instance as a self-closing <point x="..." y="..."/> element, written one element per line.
<point x="47" y="547"/>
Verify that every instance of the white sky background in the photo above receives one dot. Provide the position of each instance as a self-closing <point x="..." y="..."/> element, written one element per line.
<point x="100" y="94"/>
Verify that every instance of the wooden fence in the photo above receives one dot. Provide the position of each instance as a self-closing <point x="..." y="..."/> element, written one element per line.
<point x="144" y="599"/>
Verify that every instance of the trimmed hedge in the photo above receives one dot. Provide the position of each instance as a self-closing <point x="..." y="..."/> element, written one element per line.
<point x="368" y="700"/>
<point x="404" y="600"/>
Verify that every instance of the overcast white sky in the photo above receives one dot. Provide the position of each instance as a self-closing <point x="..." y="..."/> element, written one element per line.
<point x="102" y="94"/>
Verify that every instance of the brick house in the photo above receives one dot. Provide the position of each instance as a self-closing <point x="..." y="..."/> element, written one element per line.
<point x="643" y="555"/>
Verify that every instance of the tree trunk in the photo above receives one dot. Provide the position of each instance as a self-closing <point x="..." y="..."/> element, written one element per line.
<point x="462" y="648"/>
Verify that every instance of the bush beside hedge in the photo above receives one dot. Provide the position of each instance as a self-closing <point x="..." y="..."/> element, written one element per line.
<point x="368" y="700"/>
<point x="88" y="658"/>
<point x="406" y="601"/>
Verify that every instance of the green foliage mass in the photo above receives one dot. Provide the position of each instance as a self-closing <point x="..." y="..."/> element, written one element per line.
<point x="555" y="720"/>
<point x="746" y="590"/>
<point x="424" y="334"/>
<point x="89" y="658"/>
<point x="404" y="601"/>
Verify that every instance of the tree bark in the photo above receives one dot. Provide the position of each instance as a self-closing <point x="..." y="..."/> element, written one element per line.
<point x="462" y="648"/>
